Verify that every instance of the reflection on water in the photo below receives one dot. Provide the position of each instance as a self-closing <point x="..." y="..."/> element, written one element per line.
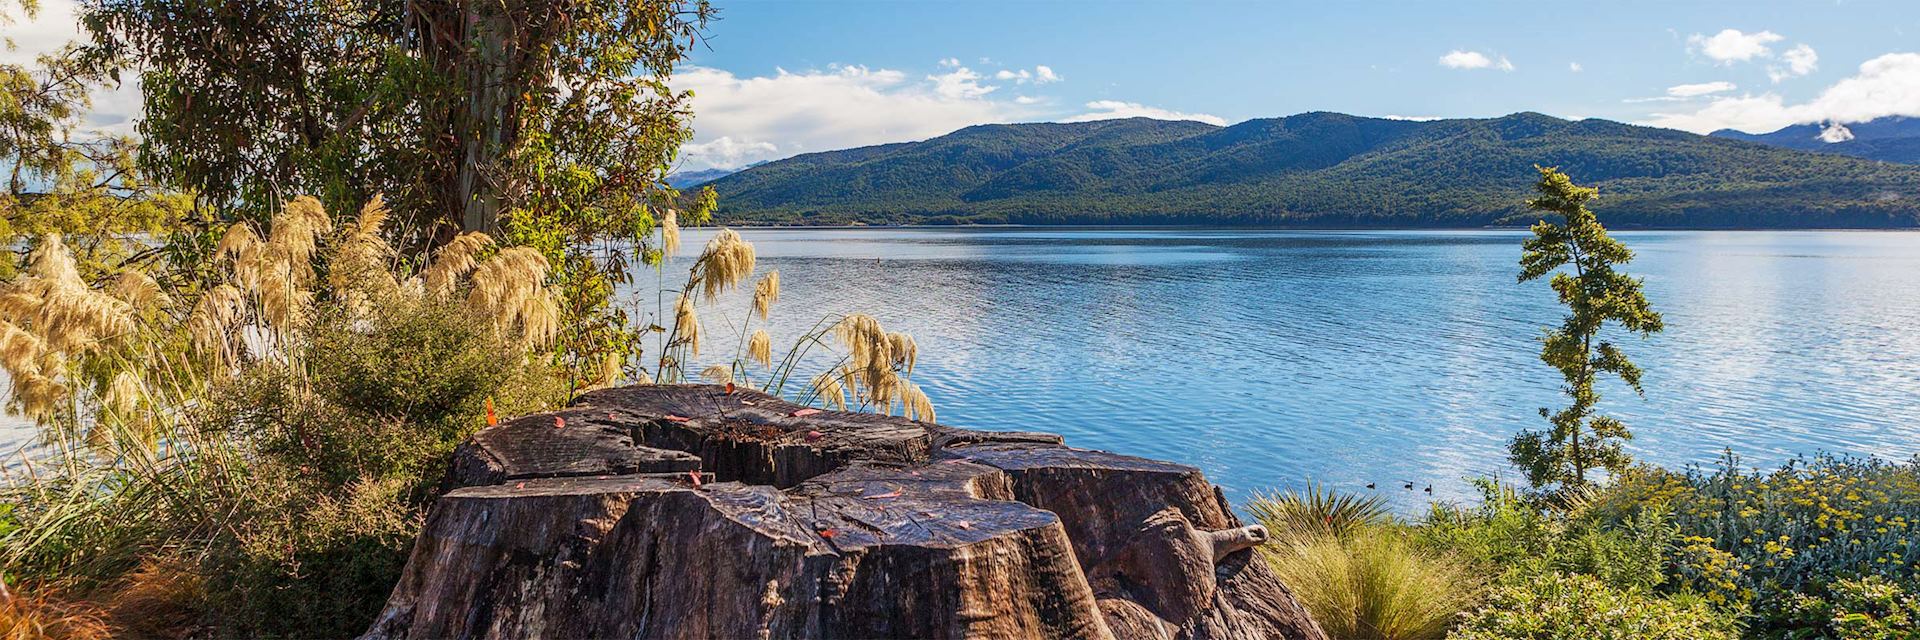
<point x="1271" y="357"/>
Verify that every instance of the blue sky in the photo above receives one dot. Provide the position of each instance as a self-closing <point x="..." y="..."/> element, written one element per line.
<point x="787" y="77"/>
<point x="791" y="77"/>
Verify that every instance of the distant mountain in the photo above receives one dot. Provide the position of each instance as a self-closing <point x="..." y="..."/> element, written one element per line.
<point x="1318" y="169"/>
<point x="684" y="179"/>
<point x="1893" y="139"/>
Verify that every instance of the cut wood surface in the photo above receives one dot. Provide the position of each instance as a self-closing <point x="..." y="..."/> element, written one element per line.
<point x="683" y="511"/>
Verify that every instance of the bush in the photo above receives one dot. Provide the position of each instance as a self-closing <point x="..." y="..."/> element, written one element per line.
<point x="1373" y="584"/>
<point x="1870" y="608"/>
<point x="1511" y="533"/>
<point x="1782" y="543"/>
<point x="1315" y="511"/>
<point x="1350" y="564"/>
<point x="1559" y="606"/>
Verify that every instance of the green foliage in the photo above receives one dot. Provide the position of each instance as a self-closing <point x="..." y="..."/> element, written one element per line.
<point x="1555" y="606"/>
<point x="1511" y="533"/>
<point x="457" y="111"/>
<point x="1316" y="169"/>
<point x="87" y="187"/>
<point x="1869" y="608"/>
<point x="1317" y="512"/>
<point x="1595" y="294"/>
<point x="1780" y="542"/>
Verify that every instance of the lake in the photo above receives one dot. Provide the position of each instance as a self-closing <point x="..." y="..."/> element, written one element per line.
<point x="1270" y="358"/>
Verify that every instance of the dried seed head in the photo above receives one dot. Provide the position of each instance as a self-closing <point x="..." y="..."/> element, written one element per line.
<point x="765" y="293"/>
<point x="718" y="374"/>
<point x="610" y="367"/>
<point x="670" y="233"/>
<point x="360" y="273"/>
<point x="510" y="288"/>
<point x="918" y="406"/>
<point x="137" y="289"/>
<point x="454" y="261"/>
<point x="20" y="350"/>
<point x="123" y="394"/>
<point x="724" y="263"/>
<point x="214" y="319"/>
<point x="760" y="348"/>
<point x="827" y="386"/>
<point x="686" y="325"/>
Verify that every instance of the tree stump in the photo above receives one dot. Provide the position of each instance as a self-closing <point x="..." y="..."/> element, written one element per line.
<point x="689" y="512"/>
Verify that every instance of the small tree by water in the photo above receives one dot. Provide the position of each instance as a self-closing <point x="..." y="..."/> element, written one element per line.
<point x="1581" y="257"/>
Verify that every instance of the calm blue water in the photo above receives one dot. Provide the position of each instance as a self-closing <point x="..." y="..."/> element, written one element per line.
<point x="1268" y="358"/>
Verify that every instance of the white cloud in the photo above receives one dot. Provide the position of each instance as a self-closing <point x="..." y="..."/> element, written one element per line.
<point x="1836" y="132"/>
<point x="1041" y="74"/>
<point x="1800" y="60"/>
<point x="724" y="151"/>
<point x="1732" y="45"/>
<point x="1575" y="67"/>
<point x="960" y="84"/>
<point x="1026" y="100"/>
<point x="949" y="62"/>
<point x="1111" y="109"/>
<point x="1460" y="59"/>
<point x="739" y="120"/>
<point x="1413" y="118"/>
<point x="1885" y="86"/>
<point x="1701" y="89"/>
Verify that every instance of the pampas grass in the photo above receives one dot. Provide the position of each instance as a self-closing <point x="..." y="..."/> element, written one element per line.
<point x="726" y="261"/>
<point x="765" y="293"/>
<point x="670" y="233"/>
<point x="827" y="387"/>
<point x="718" y="374"/>
<point x="760" y="348"/>
<point x="453" y="262"/>
<point x="686" y="325"/>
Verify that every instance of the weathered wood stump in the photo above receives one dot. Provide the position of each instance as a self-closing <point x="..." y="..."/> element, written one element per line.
<point x="689" y="512"/>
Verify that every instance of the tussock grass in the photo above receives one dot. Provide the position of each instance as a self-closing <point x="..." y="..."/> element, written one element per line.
<point x="1374" y="584"/>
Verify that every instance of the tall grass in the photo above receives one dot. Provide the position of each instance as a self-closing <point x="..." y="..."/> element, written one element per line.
<point x="250" y="448"/>
<point x="1356" y="570"/>
<point x="1375" y="584"/>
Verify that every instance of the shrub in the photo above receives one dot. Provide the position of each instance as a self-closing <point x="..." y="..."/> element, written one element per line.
<point x="1870" y="608"/>
<point x="1779" y="542"/>
<point x="1372" y="584"/>
<point x="1315" y="511"/>
<point x="1559" y="606"/>
<point x="1509" y="533"/>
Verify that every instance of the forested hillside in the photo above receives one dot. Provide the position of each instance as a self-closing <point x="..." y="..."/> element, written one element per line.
<point x="1319" y="169"/>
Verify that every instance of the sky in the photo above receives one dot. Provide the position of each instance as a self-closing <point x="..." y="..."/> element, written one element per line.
<point x="780" y="78"/>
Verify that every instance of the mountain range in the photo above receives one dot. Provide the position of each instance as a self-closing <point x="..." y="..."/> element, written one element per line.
<point x="1893" y="138"/>
<point x="1320" y="169"/>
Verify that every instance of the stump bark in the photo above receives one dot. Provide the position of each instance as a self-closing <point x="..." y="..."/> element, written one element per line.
<point x="689" y="512"/>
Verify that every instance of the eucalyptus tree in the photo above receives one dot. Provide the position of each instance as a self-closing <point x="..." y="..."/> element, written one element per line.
<point x="1581" y="258"/>
<point x="544" y="123"/>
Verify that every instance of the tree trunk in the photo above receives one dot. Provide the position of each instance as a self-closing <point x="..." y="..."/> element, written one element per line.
<point x="688" y="512"/>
